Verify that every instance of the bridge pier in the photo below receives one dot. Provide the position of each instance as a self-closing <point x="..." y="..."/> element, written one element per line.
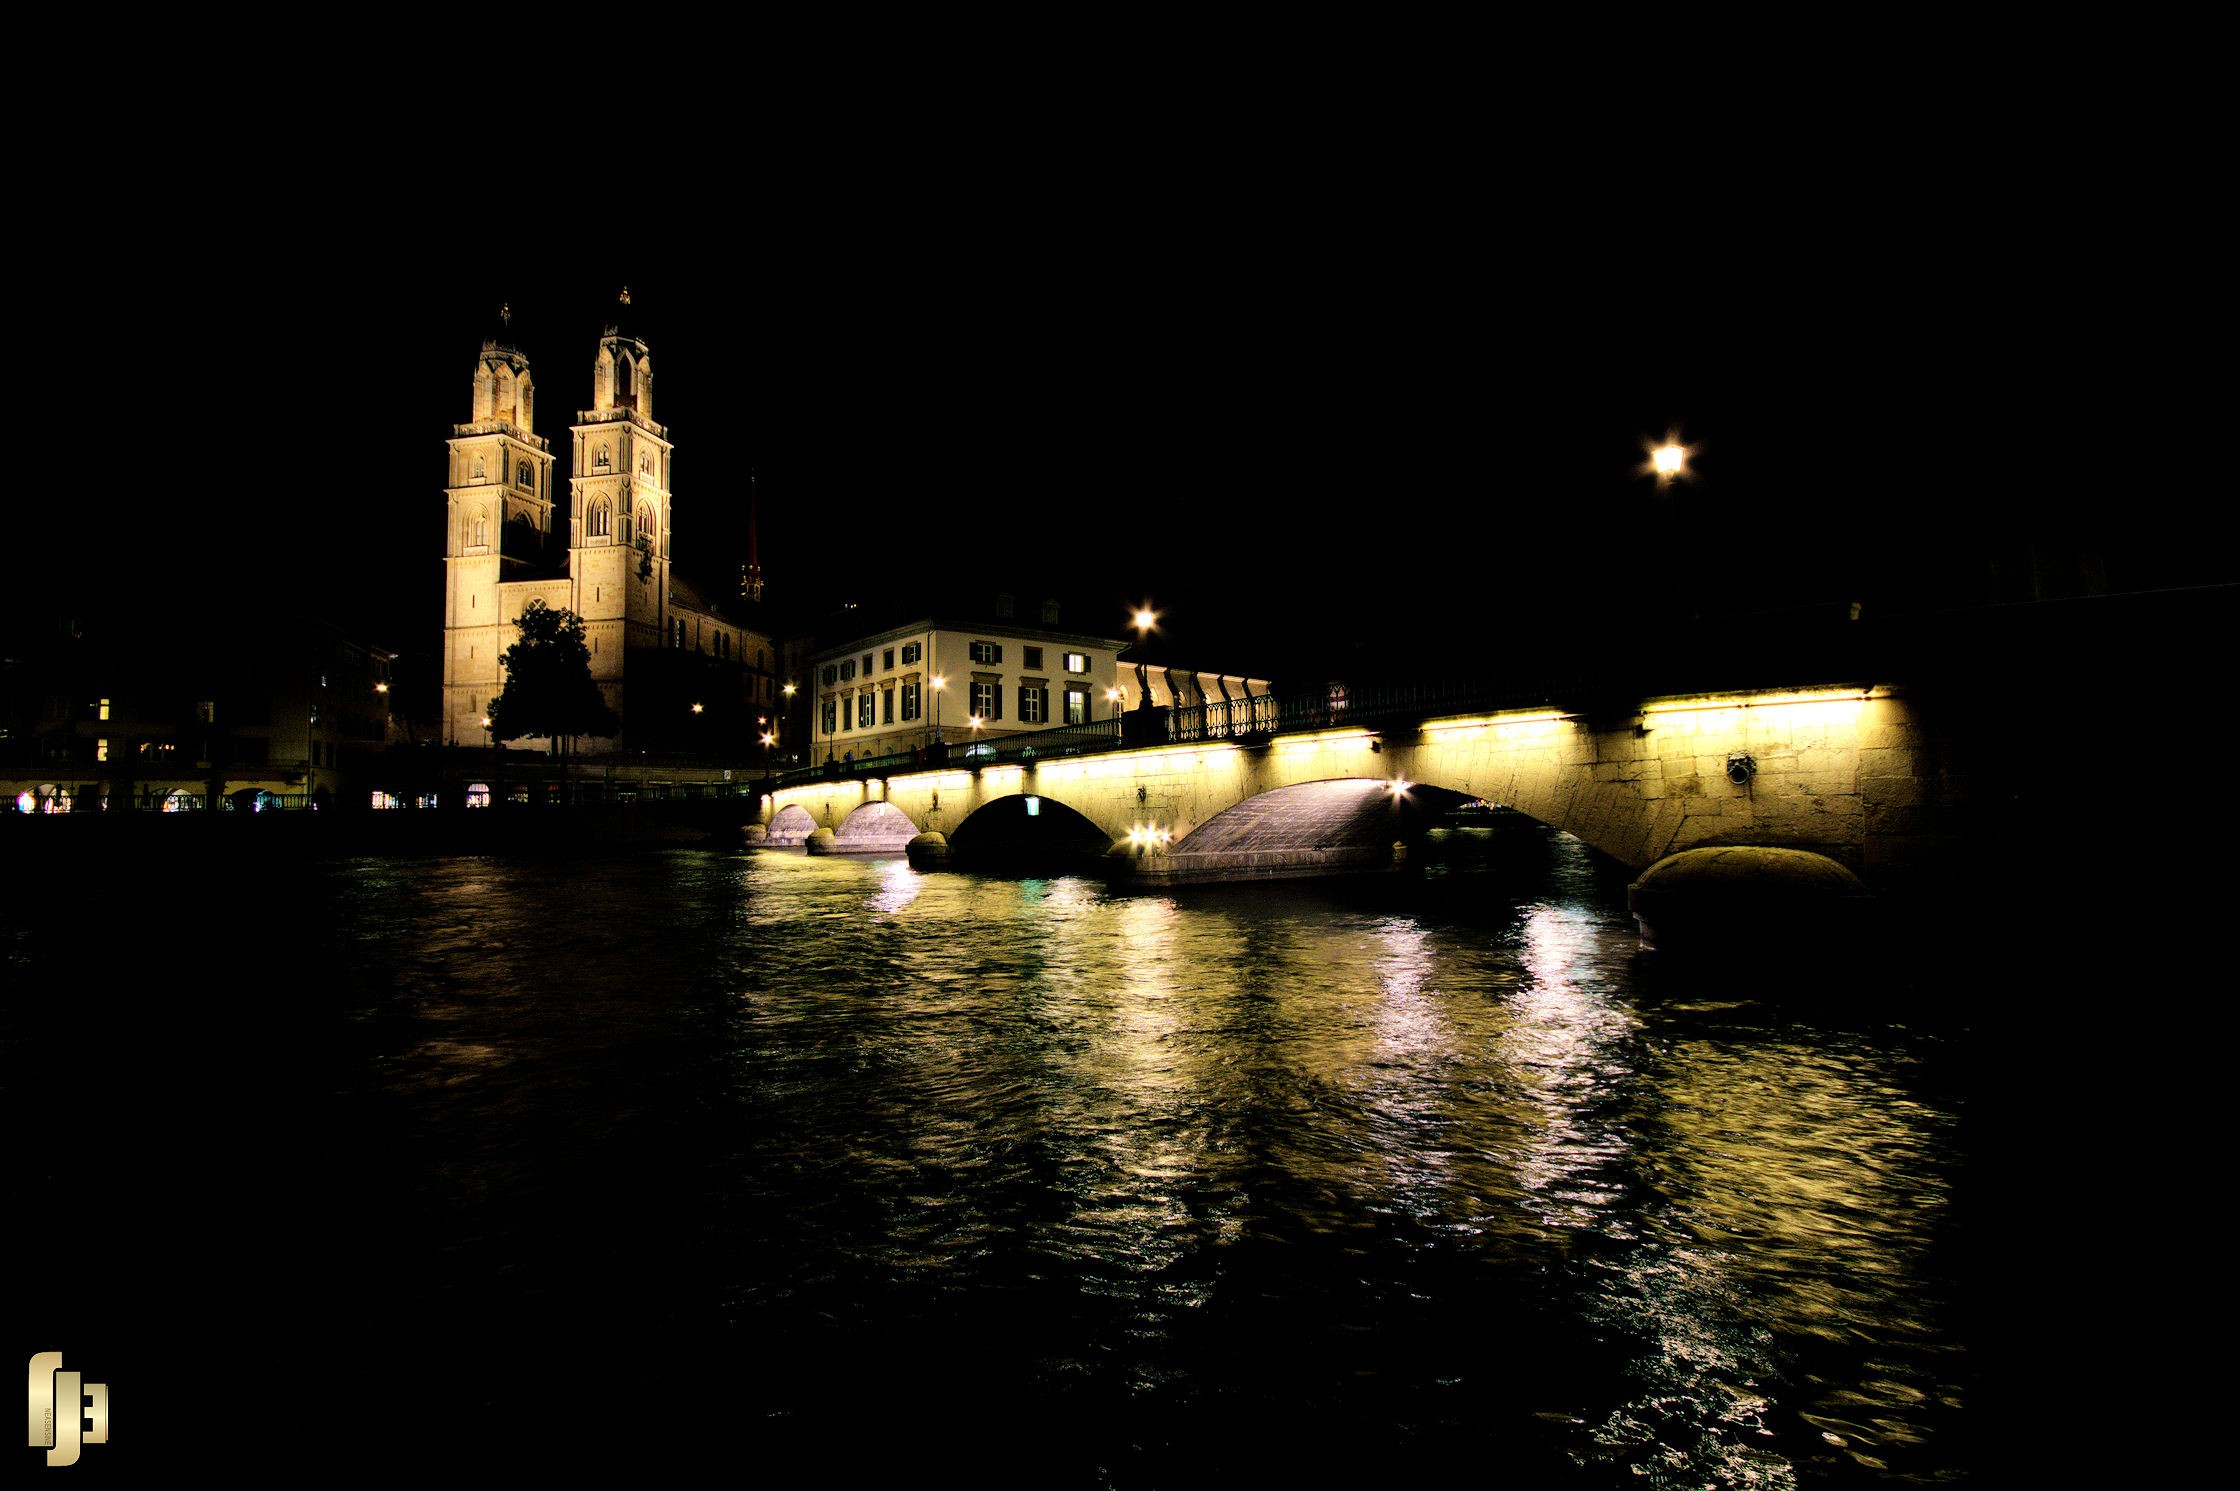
<point x="1749" y="896"/>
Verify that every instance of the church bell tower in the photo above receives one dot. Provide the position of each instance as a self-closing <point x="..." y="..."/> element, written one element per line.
<point x="620" y="540"/>
<point x="500" y="491"/>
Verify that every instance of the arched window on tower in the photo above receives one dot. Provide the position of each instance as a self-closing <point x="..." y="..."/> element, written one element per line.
<point x="601" y="519"/>
<point x="645" y="523"/>
<point x="522" y="477"/>
<point x="602" y="462"/>
<point x="480" y="537"/>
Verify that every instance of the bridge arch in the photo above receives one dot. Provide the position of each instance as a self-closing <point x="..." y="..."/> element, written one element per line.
<point x="1029" y="832"/>
<point x="872" y="828"/>
<point x="1322" y="827"/>
<point x="790" y="825"/>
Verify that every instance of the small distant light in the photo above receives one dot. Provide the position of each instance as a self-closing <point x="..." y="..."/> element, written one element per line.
<point x="697" y="708"/>
<point x="1669" y="459"/>
<point x="1034" y="807"/>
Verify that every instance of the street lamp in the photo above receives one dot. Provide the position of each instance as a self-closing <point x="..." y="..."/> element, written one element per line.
<point x="487" y="741"/>
<point x="1145" y="621"/>
<point x="937" y="683"/>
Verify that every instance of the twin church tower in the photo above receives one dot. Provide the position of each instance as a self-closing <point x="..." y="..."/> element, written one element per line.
<point x="682" y="673"/>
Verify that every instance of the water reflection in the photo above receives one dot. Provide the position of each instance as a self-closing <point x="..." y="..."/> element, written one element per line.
<point x="1367" y="1176"/>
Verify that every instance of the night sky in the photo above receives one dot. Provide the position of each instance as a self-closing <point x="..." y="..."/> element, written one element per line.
<point x="1317" y="397"/>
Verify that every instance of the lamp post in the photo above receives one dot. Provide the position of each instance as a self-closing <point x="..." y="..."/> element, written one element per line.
<point x="1669" y="463"/>
<point x="936" y="684"/>
<point x="1140" y="730"/>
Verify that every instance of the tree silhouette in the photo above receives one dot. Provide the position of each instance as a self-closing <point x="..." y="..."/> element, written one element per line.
<point x="548" y="689"/>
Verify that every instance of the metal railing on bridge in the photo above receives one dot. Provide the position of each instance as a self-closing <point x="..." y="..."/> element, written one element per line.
<point x="1246" y="721"/>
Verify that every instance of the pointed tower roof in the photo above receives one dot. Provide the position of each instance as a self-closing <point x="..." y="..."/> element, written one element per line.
<point x="500" y="337"/>
<point x="622" y="320"/>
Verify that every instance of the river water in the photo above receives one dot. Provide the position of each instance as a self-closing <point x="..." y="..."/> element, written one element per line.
<point x="648" y="1158"/>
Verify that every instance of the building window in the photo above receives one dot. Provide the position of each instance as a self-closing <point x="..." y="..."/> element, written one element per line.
<point x="848" y="668"/>
<point x="865" y="719"/>
<point x="1077" y="662"/>
<point x="888" y="707"/>
<point x="987" y="652"/>
<point x="481" y="534"/>
<point x="522" y="478"/>
<point x="1034" y="705"/>
<point x="831" y="675"/>
<point x="601" y="522"/>
<point x="987" y="700"/>
<point x="829" y="711"/>
<point x="1030" y="657"/>
<point x="910" y="701"/>
<point x="1077" y="706"/>
<point x="886" y="660"/>
<point x="910" y="651"/>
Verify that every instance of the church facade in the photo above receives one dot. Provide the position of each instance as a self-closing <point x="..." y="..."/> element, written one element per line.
<point x="686" y="674"/>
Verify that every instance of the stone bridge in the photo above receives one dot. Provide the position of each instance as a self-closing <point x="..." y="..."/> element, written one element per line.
<point x="1849" y="773"/>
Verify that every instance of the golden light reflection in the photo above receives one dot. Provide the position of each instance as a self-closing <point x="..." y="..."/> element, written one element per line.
<point x="898" y="887"/>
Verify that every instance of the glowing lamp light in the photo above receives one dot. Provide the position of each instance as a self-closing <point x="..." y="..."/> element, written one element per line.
<point x="697" y="708"/>
<point x="1145" y="619"/>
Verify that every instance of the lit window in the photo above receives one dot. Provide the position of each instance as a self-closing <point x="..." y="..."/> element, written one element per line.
<point x="478" y="794"/>
<point x="1077" y="706"/>
<point x="104" y="714"/>
<point x="101" y="749"/>
<point x="1077" y="662"/>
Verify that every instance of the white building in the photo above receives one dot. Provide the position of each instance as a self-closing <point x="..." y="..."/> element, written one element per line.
<point x="893" y="692"/>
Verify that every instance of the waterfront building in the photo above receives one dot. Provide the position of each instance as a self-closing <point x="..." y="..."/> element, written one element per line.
<point x="685" y="672"/>
<point x="959" y="679"/>
<point x="178" y="710"/>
